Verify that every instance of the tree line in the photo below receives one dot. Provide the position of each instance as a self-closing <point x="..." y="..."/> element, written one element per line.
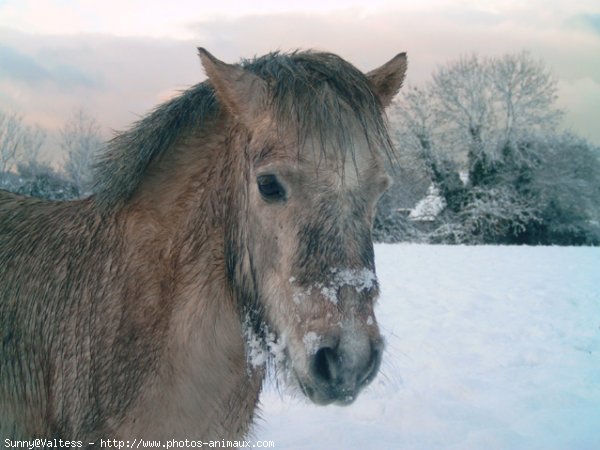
<point x="479" y="141"/>
<point x="484" y="133"/>
<point x="25" y="171"/>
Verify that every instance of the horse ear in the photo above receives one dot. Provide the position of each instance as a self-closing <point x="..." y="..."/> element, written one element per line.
<point x="387" y="79"/>
<point x="239" y="90"/>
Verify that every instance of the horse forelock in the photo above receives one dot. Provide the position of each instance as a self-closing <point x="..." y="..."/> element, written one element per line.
<point x="324" y="101"/>
<point x="318" y="96"/>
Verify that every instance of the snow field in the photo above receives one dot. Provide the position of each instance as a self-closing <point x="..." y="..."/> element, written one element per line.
<point x="486" y="348"/>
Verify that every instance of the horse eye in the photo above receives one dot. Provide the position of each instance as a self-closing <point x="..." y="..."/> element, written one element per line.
<point x="270" y="189"/>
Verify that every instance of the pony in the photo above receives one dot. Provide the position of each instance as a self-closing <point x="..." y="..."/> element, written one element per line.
<point x="229" y="227"/>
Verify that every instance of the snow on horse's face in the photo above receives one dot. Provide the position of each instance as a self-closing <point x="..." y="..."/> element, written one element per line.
<point x="312" y="233"/>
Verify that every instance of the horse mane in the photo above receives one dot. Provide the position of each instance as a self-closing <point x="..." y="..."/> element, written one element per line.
<point x="311" y="92"/>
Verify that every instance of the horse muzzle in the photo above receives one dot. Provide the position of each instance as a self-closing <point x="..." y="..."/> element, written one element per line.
<point x="337" y="372"/>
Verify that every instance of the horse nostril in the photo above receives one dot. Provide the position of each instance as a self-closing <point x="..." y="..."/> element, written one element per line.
<point x="326" y="365"/>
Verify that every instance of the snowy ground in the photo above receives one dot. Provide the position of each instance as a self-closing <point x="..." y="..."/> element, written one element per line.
<point x="487" y="348"/>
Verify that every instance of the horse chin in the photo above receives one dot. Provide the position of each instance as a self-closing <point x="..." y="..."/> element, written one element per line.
<point x="327" y="395"/>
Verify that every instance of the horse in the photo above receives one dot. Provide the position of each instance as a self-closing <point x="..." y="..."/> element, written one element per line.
<point x="229" y="227"/>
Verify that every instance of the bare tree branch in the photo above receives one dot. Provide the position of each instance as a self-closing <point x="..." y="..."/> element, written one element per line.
<point x="80" y="140"/>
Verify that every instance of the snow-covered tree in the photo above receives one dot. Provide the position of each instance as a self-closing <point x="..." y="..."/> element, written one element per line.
<point x="565" y="185"/>
<point x="21" y="168"/>
<point x="483" y="105"/>
<point x="10" y="139"/>
<point x="525" y="94"/>
<point x="18" y="141"/>
<point x="80" y="140"/>
<point x="484" y="131"/>
<point x="39" y="179"/>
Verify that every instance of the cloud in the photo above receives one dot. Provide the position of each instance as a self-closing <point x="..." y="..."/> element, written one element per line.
<point x="115" y="79"/>
<point x="118" y="79"/>
<point x="15" y="65"/>
<point x="587" y="21"/>
<point x="69" y="76"/>
<point x="430" y="37"/>
<point x="21" y="68"/>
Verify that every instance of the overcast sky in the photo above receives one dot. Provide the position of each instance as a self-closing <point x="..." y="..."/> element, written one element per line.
<point x="119" y="58"/>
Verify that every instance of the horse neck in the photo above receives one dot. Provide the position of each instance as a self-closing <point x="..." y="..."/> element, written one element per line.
<point x="176" y="220"/>
<point x="176" y="230"/>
